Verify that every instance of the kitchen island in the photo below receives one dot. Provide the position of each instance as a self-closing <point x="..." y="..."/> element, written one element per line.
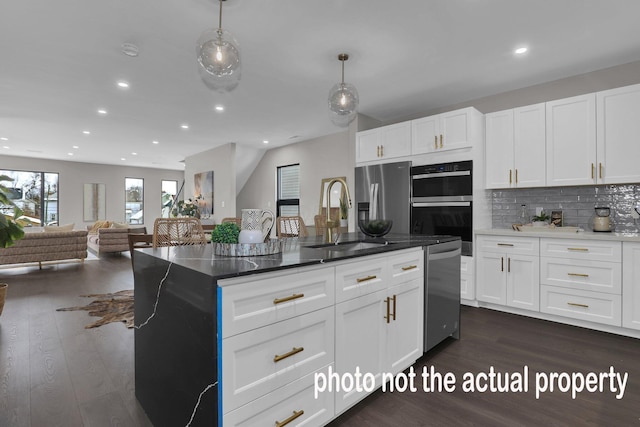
<point x="213" y="338"/>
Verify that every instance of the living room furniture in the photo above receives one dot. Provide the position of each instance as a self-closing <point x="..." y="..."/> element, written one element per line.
<point x="44" y="246"/>
<point x="105" y="240"/>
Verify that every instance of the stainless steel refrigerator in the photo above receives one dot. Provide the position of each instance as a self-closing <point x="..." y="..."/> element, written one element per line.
<point x="393" y="189"/>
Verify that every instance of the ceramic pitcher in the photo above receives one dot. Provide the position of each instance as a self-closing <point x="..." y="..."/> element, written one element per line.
<point x="258" y="219"/>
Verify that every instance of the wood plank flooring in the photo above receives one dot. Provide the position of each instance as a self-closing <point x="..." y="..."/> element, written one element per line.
<point x="53" y="372"/>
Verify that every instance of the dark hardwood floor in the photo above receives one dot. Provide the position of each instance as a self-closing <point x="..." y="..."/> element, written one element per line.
<point x="53" y="372"/>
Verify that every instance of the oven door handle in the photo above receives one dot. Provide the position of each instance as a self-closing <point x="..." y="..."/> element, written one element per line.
<point x="438" y="204"/>
<point x="441" y="174"/>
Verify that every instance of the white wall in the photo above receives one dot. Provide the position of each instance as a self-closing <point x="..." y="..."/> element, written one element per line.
<point x="319" y="158"/>
<point x="222" y="161"/>
<point x="73" y="176"/>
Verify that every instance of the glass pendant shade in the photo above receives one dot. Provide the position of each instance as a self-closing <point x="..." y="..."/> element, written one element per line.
<point x="343" y="104"/>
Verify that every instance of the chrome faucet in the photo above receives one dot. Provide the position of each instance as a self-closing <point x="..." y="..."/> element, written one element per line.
<point x="332" y="224"/>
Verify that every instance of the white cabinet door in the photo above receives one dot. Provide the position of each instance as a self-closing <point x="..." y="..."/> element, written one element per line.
<point x="499" y="149"/>
<point x="360" y="342"/>
<point x="491" y="279"/>
<point x="529" y="146"/>
<point x="467" y="284"/>
<point x="631" y="285"/>
<point x="455" y="130"/>
<point x="425" y="135"/>
<point x="618" y="135"/>
<point x="405" y="334"/>
<point x="523" y="281"/>
<point x="368" y="145"/>
<point x="383" y="143"/>
<point x="571" y="141"/>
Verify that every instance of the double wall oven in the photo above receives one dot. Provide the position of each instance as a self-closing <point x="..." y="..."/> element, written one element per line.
<point x="442" y="201"/>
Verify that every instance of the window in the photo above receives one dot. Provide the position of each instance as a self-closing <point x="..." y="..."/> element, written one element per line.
<point x="134" y="197"/>
<point x="36" y="193"/>
<point x="169" y="191"/>
<point x="288" y="203"/>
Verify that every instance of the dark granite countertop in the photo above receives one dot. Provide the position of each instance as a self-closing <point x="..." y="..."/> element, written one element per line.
<point x="296" y="253"/>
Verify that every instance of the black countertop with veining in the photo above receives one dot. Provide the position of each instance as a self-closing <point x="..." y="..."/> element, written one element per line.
<point x="297" y="252"/>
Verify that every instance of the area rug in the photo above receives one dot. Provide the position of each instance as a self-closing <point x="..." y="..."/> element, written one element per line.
<point x="116" y="307"/>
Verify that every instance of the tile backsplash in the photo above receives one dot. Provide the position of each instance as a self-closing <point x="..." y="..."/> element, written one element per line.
<point x="576" y="203"/>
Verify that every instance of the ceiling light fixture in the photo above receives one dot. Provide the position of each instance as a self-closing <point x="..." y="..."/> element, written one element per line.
<point x="265" y="142"/>
<point x="102" y="111"/>
<point x="122" y="84"/>
<point x="521" y="50"/>
<point x="219" y="108"/>
<point x="218" y="58"/>
<point x="155" y="142"/>
<point x="6" y="147"/>
<point x="130" y="49"/>
<point x="75" y="146"/>
<point x="86" y="132"/>
<point x="343" y="100"/>
<point x="184" y="126"/>
<point x="4" y="138"/>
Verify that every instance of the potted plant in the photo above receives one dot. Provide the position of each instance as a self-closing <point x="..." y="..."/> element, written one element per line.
<point x="540" y="220"/>
<point x="10" y="227"/>
<point x="344" y="212"/>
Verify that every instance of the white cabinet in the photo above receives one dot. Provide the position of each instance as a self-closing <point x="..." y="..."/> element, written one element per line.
<point x="618" y="134"/>
<point x="467" y="283"/>
<point x="387" y="142"/>
<point x="508" y="271"/>
<point x="631" y="285"/>
<point x="381" y="331"/>
<point x="571" y="141"/>
<point x="447" y="131"/>
<point x="581" y="279"/>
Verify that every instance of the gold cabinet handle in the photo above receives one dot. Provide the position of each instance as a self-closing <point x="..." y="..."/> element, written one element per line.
<point x="592" y="171"/>
<point x="295" y="415"/>
<point x="510" y="172"/>
<point x="508" y="265"/>
<point x="440" y="140"/>
<point x="435" y="141"/>
<point x="394" y="307"/>
<point x="516" y="176"/>
<point x="578" y="274"/>
<point x="378" y="151"/>
<point x="365" y="279"/>
<point x="501" y="263"/>
<point x="279" y="357"/>
<point x="409" y="267"/>
<point x="388" y="316"/>
<point x="600" y="167"/>
<point x="382" y="151"/>
<point x="578" y="249"/>
<point x="575" y="304"/>
<point x="289" y="298"/>
<point x="505" y="244"/>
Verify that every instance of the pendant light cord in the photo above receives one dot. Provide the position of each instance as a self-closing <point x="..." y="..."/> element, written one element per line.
<point x="220" y="19"/>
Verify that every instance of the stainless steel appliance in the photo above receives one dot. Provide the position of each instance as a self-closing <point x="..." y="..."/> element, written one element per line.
<point x="442" y="293"/>
<point x="442" y="201"/>
<point x="393" y="193"/>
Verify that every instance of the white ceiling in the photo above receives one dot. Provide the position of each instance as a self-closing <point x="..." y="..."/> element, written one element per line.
<point x="60" y="60"/>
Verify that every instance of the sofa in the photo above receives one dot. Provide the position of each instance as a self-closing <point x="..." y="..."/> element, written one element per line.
<point x="41" y="246"/>
<point x="105" y="240"/>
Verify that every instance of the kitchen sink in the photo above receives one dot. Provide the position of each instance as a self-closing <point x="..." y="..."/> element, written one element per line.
<point x="356" y="245"/>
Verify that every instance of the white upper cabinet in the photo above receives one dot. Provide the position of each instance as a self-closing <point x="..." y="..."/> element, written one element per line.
<point x="618" y="135"/>
<point x="515" y="147"/>
<point x="446" y="131"/>
<point x="387" y="142"/>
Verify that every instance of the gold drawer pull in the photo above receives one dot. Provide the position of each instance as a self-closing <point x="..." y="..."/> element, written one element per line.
<point x="440" y="140"/>
<point x="435" y="141"/>
<point x="578" y="305"/>
<point x="510" y="172"/>
<point x="364" y="279"/>
<point x="592" y="171"/>
<point x="505" y="244"/>
<point x="289" y="298"/>
<point x="295" y="415"/>
<point x="409" y="267"/>
<point x="578" y="274"/>
<point x="388" y="316"/>
<point x="394" y="307"/>
<point x="578" y="249"/>
<point x="279" y="357"/>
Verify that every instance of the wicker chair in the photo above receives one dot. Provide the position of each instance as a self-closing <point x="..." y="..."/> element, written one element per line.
<point x="178" y="231"/>
<point x="291" y="226"/>
<point x="237" y="221"/>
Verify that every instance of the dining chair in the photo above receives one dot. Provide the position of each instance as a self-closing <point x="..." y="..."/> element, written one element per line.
<point x="178" y="231"/>
<point x="237" y="221"/>
<point x="291" y="226"/>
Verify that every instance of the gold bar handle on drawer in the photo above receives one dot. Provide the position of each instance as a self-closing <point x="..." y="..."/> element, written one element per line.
<point x="578" y="249"/>
<point x="364" y="279"/>
<point x="578" y="274"/>
<point x="295" y="415"/>
<point x="388" y="316"/>
<point x="501" y="263"/>
<point x="593" y="176"/>
<point x="409" y="267"/>
<point x="279" y="357"/>
<point x="510" y="174"/>
<point x="435" y="141"/>
<point x="440" y="140"/>
<point x="516" y="176"/>
<point x="505" y="244"/>
<point x="382" y="151"/>
<point x="289" y="298"/>
<point x="600" y="167"/>
<point x="575" y="304"/>
<point x="394" y="307"/>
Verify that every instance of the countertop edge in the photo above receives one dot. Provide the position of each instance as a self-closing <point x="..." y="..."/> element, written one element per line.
<point x="581" y="235"/>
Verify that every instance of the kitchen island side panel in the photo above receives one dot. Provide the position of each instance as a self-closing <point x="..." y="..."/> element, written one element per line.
<point x="175" y="346"/>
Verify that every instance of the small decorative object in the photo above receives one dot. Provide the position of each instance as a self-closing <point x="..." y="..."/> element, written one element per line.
<point x="257" y="219"/>
<point x="375" y="227"/>
<point x="185" y="208"/>
<point x="343" y="100"/>
<point x="270" y="247"/>
<point x="540" y="220"/>
<point x="225" y="233"/>
<point x="557" y="218"/>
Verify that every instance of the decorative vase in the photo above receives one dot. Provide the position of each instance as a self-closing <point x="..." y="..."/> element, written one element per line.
<point x="3" y="295"/>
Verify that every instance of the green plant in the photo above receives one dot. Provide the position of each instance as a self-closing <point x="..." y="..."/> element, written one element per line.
<point x="10" y="224"/>
<point x="185" y="208"/>
<point x="225" y="233"/>
<point x="543" y="217"/>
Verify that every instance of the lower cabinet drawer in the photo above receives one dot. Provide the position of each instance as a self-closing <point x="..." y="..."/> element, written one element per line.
<point x="295" y="402"/>
<point x="584" y="305"/>
<point x="359" y="278"/>
<point x="259" y="361"/>
<point x="584" y="275"/>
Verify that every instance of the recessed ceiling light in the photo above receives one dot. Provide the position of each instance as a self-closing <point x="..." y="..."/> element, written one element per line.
<point x="123" y="84"/>
<point x="70" y="154"/>
<point x="123" y="158"/>
<point x="86" y="132"/>
<point x="184" y="126"/>
<point x="134" y="154"/>
<point x="521" y="50"/>
<point x="4" y="138"/>
<point x="130" y="49"/>
<point x="102" y="111"/>
<point x="265" y="142"/>
<point x="219" y="108"/>
<point x="75" y="146"/>
<point x="6" y="147"/>
<point x="155" y="142"/>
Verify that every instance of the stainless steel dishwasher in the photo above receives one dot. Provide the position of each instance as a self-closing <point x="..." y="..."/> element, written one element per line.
<point x="442" y="293"/>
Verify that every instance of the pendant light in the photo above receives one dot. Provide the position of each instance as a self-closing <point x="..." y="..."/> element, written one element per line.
<point x="218" y="58"/>
<point x="343" y="100"/>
